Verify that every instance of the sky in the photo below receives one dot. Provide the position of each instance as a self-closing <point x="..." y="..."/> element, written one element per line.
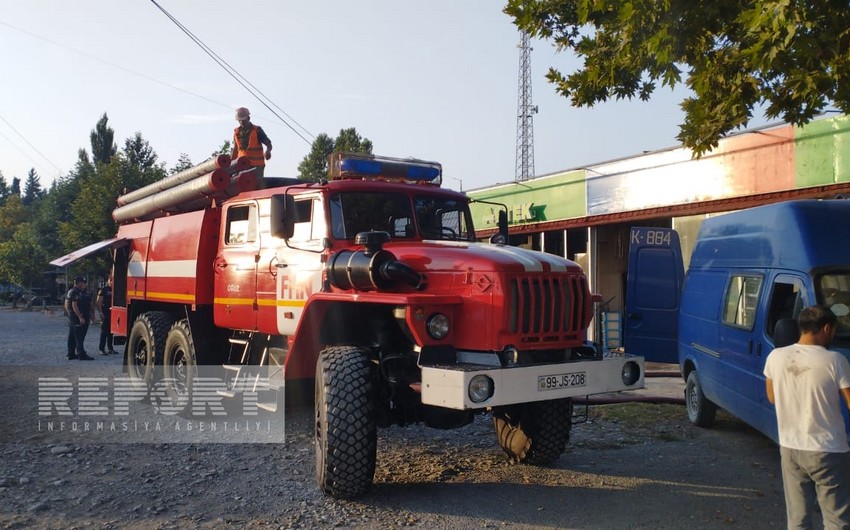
<point x="434" y="79"/>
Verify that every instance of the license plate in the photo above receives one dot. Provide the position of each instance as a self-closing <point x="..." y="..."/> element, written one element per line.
<point x="557" y="381"/>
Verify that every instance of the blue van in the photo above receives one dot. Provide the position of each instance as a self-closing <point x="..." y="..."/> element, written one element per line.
<point x="751" y="272"/>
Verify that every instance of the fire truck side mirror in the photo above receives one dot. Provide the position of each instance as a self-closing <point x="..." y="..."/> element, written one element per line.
<point x="501" y="237"/>
<point x="282" y="216"/>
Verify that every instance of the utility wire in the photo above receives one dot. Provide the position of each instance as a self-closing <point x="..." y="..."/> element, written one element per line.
<point x="118" y="66"/>
<point x="247" y="85"/>
<point x="34" y="148"/>
<point x="16" y="146"/>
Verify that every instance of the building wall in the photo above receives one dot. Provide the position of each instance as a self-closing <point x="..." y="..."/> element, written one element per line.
<point x="665" y="188"/>
<point x="762" y="161"/>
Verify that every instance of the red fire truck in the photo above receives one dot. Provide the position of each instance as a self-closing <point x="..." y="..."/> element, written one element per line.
<point x="372" y="289"/>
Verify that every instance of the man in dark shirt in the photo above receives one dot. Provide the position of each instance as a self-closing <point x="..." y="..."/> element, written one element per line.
<point x="104" y="305"/>
<point x="79" y="306"/>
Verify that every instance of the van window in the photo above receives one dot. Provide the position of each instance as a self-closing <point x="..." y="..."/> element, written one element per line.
<point x="786" y="301"/>
<point x="741" y="301"/>
<point x="833" y="291"/>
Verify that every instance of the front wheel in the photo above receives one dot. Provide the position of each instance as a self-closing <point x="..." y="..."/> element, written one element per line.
<point x="701" y="410"/>
<point x="346" y="431"/>
<point x="534" y="433"/>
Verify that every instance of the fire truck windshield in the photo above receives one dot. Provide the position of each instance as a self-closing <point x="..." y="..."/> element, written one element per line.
<point x="423" y="217"/>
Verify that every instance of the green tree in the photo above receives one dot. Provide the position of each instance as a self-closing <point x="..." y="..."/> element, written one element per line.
<point x="314" y="166"/>
<point x="53" y="210"/>
<point x="138" y="152"/>
<point x="4" y="189"/>
<point x="183" y="163"/>
<point x="225" y="149"/>
<point x="32" y="188"/>
<point x="103" y="147"/>
<point x="22" y="257"/>
<point x="15" y="188"/>
<point x="788" y="55"/>
<point x="12" y="214"/>
<point x="350" y="141"/>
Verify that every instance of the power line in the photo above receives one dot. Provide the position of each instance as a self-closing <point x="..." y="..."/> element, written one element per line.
<point x="247" y="85"/>
<point x="34" y="148"/>
<point x="118" y="66"/>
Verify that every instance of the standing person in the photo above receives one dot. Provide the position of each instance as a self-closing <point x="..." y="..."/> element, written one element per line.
<point x="806" y="382"/>
<point x="104" y="305"/>
<point x="79" y="307"/>
<point x="248" y="141"/>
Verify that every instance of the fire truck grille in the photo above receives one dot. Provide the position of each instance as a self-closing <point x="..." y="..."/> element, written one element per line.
<point x="545" y="308"/>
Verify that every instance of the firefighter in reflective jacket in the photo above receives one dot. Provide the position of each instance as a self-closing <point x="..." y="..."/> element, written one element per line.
<point x="248" y="141"/>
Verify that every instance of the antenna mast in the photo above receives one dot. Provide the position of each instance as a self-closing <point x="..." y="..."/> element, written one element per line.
<point x="525" y="113"/>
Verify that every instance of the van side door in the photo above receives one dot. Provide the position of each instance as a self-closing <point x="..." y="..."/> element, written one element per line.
<point x="786" y="297"/>
<point x="740" y="343"/>
<point x="653" y="287"/>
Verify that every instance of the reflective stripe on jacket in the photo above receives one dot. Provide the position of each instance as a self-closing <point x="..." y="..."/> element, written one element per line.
<point x="254" y="151"/>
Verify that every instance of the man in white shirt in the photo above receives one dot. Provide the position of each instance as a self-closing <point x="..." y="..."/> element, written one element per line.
<point x="806" y="382"/>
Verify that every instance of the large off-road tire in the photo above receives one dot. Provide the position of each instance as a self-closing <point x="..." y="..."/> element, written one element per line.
<point x="145" y="346"/>
<point x="701" y="410"/>
<point x="534" y="433"/>
<point x="179" y="367"/>
<point x="346" y="432"/>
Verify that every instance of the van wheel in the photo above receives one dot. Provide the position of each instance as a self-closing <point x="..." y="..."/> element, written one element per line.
<point x="346" y="428"/>
<point x="701" y="411"/>
<point x="534" y="433"/>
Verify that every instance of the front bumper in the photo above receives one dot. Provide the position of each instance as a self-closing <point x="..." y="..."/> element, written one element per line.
<point x="448" y="386"/>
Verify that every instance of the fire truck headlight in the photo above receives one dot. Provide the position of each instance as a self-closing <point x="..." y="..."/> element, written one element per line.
<point x="631" y="373"/>
<point x="480" y="388"/>
<point x="438" y="326"/>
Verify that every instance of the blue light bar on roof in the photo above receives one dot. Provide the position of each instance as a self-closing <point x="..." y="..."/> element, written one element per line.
<point x="360" y="166"/>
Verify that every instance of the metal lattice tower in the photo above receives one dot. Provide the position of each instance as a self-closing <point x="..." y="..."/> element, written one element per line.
<point x="525" y="114"/>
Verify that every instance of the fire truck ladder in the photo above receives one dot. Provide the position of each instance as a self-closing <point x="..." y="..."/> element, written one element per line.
<point x="248" y="377"/>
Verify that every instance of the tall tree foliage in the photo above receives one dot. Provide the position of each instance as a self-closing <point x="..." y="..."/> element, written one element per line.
<point x="139" y="152"/>
<point x="97" y="187"/>
<point x="103" y="147"/>
<point x="183" y="163"/>
<point x="314" y="166"/>
<point x="788" y="55"/>
<point x="32" y="188"/>
<point x="4" y="189"/>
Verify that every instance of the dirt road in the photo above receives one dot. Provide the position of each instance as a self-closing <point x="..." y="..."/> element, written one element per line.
<point x="629" y="466"/>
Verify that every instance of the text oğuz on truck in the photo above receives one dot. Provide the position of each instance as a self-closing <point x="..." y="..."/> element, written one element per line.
<point x="372" y="287"/>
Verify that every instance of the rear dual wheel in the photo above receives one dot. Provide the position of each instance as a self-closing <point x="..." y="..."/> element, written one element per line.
<point x="145" y="346"/>
<point x="179" y="366"/>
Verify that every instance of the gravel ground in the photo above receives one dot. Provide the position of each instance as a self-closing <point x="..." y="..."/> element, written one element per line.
<point x="635" y="465"/>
